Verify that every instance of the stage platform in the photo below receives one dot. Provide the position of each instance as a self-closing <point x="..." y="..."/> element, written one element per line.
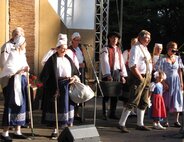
<point x="107" y="129"/>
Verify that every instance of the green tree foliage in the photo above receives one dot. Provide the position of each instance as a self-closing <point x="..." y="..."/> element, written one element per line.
<point x="163" y="18"/>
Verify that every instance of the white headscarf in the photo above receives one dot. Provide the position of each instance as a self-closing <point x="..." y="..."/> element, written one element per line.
<point x="159" y="45"/>
<point x="156" y="74"/>
<point x="19" y="40"/>
<point x="75" y="35"/>
<point x="62" y="40"/>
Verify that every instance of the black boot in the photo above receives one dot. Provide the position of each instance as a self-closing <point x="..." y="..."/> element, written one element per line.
<point x="113" y="108"/>
<point x="105" y="115"/>
<point x="76" y="115"/>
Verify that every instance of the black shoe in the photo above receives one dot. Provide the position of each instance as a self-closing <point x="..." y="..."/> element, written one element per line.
<point x="6" y="139"/>
<point x="123" y="129"/>
<point x="19" y="136"/>
<point x="11" y="128"/>
<point x="25" y="126"/>
<point x="62" y="127"/>
<point x="166" y="124"/>
<point x="78" y="118"/>
<point x="113" y="117"/>
<point x="54" y="136"/>
<point x="177" y="124"/>
<point x="143" y="128"/>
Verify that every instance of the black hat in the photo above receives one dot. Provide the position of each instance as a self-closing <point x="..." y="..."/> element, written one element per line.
<point x="113" y="34"/>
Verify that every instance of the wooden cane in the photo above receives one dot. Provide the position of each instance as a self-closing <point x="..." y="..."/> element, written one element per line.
<point x="56" y="115"/>
<point x="30" y="104"/>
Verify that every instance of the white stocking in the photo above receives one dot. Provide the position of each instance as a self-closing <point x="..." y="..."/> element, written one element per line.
<point x="140" y="117"/>
<point x="124" y="117"/>
<point x="18" y="130"/>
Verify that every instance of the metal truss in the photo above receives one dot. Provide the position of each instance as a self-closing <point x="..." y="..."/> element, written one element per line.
<point x="65" y="10"/>
<point x="102" y="14"/>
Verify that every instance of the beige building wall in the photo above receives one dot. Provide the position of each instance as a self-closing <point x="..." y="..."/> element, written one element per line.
<point x="49" y="27"/>
<point x="3" y="22"/>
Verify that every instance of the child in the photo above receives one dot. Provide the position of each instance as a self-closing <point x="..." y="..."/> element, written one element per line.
<point x="158" y="110"/>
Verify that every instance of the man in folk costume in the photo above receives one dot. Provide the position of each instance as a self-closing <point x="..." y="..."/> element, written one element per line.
<point x="125" y="89"/>
<point x="140" y="65"/>
<point x="113" y="69"/>
<point x="58" y="72"/>
<point x="14" y="69"/>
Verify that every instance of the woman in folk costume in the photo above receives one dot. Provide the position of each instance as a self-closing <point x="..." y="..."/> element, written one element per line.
<point x="76" y="53"/>
<point x="5" y="52"/>
<point x="172" y="65"/>
<point x="58" y="72"/>
<point x="156" y="55"/>
<point x="54" y="50"/>
<point x="157" y="50"/>
<point x="113" y="69"/>
<point x="15" y="92"/>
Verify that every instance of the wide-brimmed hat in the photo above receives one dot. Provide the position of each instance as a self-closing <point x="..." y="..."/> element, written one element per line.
<point x="116" y="34"/>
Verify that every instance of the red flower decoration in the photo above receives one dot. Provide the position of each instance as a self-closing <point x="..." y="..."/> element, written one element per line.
<point x="33" y="80"/>
<point x="34" y="77"/>
<point x="39" y="85"/>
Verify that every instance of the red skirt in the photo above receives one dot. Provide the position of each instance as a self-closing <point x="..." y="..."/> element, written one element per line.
<point x="158" y="106"/>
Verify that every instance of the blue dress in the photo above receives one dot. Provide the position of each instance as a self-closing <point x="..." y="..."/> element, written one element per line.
<point x="173" y="97"/>
<point x="65" y="105"/>
<point x="14" y="115"/>
<point x="158" y="110"/>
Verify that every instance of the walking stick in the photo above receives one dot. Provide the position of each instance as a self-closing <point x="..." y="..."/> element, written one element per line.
<point x="83" y="81"/>
<point x="56" y="111"/>
<point x="56" y="114"/>
<point x="30" y="104"/>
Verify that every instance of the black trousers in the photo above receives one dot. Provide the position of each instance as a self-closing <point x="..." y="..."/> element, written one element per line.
<point x="113" y="103"/>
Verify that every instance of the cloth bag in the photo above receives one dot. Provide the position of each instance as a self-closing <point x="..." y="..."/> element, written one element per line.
<point x="80" y="93"/>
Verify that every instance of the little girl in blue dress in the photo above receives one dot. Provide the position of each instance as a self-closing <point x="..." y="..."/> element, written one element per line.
<point x="158" y="110"/>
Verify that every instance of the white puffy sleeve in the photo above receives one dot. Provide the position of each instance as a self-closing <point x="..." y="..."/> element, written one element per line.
<point x="104" y="62"/>
<point x="47" y="55"/>
<point x="152" y="87"/>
